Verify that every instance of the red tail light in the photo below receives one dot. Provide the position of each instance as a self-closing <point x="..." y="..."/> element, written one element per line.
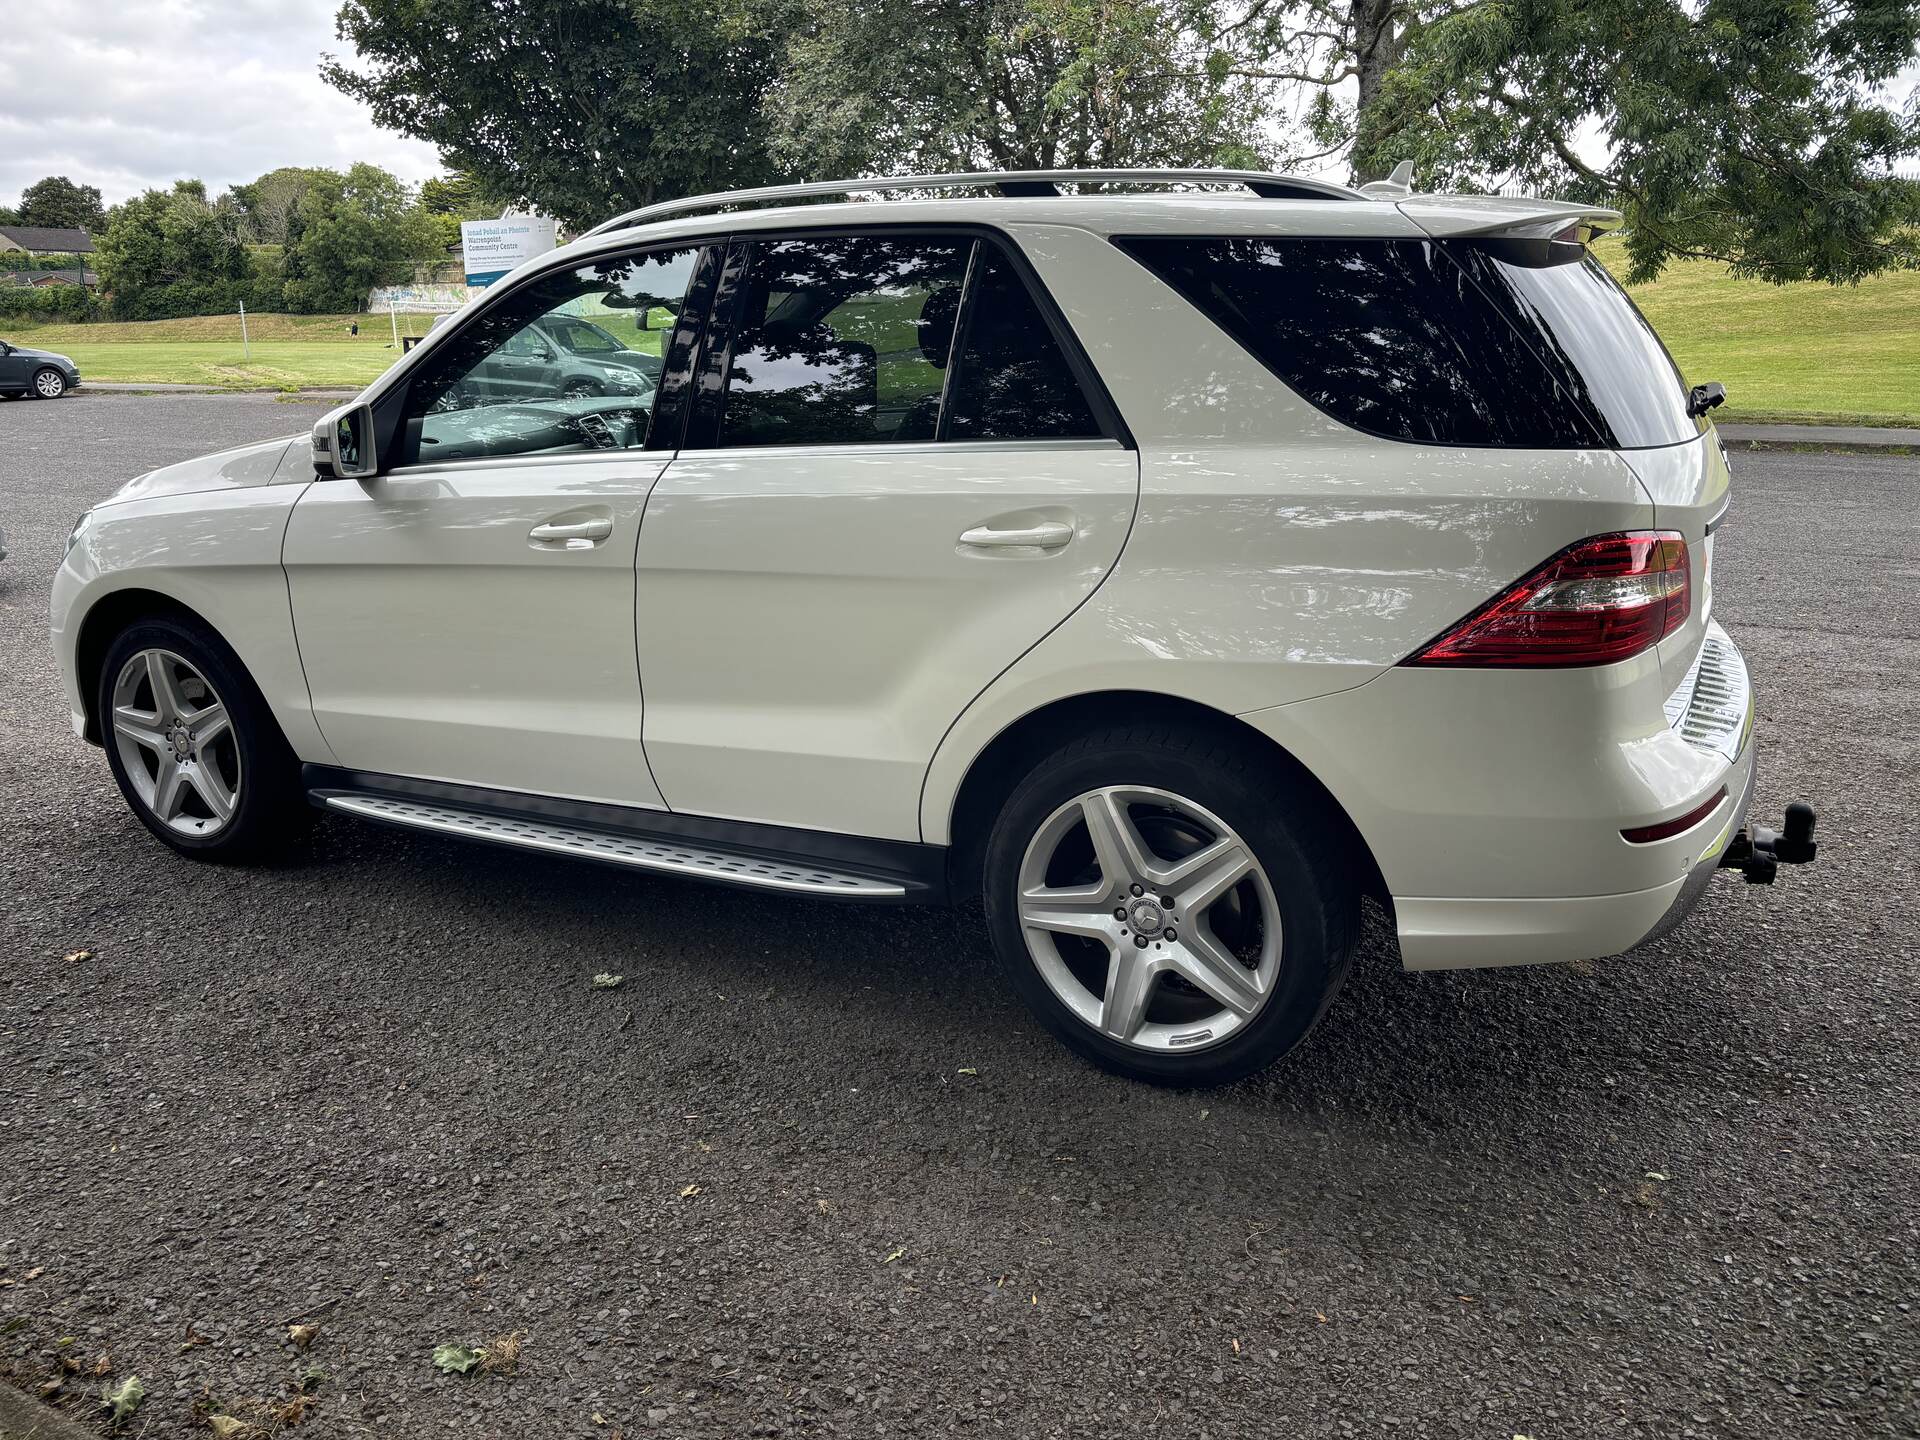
<point x="1601" y="600"/>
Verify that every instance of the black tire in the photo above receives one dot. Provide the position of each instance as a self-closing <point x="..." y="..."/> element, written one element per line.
<point x="57" y="381"/>
<point x="11" y="394"/>
<point x="270" y="810"/>
<point x="1281" y="817"/>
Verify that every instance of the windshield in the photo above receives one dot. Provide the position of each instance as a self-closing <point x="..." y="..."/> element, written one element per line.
<point x="583" y="338"/>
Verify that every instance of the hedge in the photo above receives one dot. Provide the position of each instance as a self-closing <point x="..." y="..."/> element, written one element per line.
<point x="50" y="302"/>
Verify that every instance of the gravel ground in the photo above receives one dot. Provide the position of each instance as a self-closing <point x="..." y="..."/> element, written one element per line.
<point x="810" y="1170"/>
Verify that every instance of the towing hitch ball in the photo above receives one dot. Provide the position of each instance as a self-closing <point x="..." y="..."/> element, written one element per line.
<point x="1758" y="851"/>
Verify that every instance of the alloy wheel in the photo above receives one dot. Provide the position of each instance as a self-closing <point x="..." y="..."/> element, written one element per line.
<point x="175" y="738"/>
<point x="50" y="384"/>
<point x="1150" y="919"/>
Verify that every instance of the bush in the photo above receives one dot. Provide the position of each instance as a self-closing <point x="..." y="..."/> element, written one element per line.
<point x="50" y="303"/>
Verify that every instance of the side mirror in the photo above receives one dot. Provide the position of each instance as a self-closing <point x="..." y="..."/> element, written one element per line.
<point x="343" y="444"/>
<point x="1703" y="398"/>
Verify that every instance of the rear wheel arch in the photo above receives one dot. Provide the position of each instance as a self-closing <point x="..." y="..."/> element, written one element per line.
<point x="994" y="773"/>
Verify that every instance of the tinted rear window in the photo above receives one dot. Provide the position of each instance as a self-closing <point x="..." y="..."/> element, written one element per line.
<point x="1451" y="343"/>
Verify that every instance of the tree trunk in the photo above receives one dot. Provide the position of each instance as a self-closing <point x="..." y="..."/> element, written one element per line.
<point x="1379" y="41"/>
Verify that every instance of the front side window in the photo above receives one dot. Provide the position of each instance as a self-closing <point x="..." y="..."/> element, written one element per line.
<point x="568" y="363"/>
<point x="1444" y="342"/>
<point x="861" y="339"/>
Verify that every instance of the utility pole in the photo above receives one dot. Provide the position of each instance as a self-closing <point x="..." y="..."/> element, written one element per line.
<point x="246" y="349"/>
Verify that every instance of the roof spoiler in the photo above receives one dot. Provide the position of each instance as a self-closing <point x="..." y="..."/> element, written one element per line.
<point x="1500" y="217"/>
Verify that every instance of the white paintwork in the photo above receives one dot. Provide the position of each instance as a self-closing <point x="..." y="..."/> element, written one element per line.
<point x="212" y="547"/>
<point x="811" y="621"/>
<point x="442" y="640"/>
<point x="818" y="648"/>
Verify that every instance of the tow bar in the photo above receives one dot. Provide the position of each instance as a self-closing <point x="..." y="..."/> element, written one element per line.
<point x="1757" y="851"/>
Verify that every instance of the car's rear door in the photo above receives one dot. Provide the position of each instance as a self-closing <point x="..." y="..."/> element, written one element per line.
<point x="899" y="476"/>
<point x="467" y="616"/>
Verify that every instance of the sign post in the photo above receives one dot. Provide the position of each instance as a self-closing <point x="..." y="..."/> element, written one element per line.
<point x="246" y="350"/>
<point x="493" y="247"/>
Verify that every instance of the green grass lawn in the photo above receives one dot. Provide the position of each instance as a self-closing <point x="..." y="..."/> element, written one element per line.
<point x="288" y="351"/>
<point x="1807" y="352"/>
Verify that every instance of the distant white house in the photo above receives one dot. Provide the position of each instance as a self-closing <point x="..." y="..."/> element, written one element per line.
<point x="43" y="240"/>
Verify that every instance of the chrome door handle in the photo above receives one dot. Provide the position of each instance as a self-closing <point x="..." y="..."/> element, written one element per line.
<point x="577" y="530"/>
<point x="1048" y="536"/>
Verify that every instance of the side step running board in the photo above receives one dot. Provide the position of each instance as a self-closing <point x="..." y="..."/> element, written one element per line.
<point x="639" y="852"/>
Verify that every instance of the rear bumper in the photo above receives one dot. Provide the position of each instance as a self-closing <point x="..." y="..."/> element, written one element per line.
<point x="1456" y="934"/>
<point x="1496" y="804"/>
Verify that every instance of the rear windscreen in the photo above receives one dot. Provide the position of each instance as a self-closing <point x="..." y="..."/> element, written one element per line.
<point x="1446" y="342"/>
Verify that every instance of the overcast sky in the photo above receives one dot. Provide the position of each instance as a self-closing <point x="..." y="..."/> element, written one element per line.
<point x="126" y="94"/>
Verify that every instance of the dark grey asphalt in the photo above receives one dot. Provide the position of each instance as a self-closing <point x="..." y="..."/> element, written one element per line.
<point x="756" y="1191"/>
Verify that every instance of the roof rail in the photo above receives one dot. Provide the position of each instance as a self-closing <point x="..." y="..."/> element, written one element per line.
<point x="1006" y="182"/>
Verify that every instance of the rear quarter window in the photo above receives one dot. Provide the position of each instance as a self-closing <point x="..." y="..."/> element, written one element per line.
<point x="1441" y="342"/>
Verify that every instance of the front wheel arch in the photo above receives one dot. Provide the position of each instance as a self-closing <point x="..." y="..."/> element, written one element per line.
<point x="109" y="616"/>
<point x="1007" y="759"/>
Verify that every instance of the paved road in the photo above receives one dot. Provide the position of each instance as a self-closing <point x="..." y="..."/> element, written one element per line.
<point x="756" y="1190"/>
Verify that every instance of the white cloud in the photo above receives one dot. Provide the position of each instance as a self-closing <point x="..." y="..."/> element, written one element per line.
<point x="127" y="94"/>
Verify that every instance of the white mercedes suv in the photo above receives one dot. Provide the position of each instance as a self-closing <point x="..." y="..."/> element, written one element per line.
<point x="1169" y="559"/>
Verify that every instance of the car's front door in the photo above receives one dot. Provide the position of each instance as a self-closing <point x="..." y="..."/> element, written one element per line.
<point x="468" y="615"/>
<point x="14" y="368"/>
<point x="879" y="521"/>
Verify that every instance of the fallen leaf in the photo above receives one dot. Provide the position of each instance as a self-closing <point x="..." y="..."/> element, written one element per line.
<point x="1321" y="1318"/>
<point x="1036" y="1299"/>
<point x="102" y="1365"/>
<point x="598" y="1418"/>
<point x="455" y="1358"/>
<point x="35" y="1273"/>
<point x="1651" y="1175"/>
<point x="825" y="1205"/>
<point x="501" y="1355"/>
<point x="1236" y="1347"/>
<point x="301" y="1336"/>
<point x="311" y="1377"/>
<point x="687" y="1192"/>
<point x="606" y="981"/>
<point x="78" y="955"/>
<point x="50" y="1386"/>
<point x="124" y="1399"/>
<point x="966" y="1070"/>
<point x="896" y="1255"/>
<point x="193" y="1339"/>
<point x="226" y="1427"/>
<point x="293" y="1411"/>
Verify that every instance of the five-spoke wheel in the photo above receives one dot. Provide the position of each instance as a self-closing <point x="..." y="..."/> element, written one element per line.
<point x="1149" y="918"/>
<point x="193" y="747"/>
<point x="175" y="738"/>
<point x="1176" y="905"/>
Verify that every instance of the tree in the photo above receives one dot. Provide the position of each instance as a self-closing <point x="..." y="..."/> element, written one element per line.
<point x="927" y="85"/>
<point x="168" y="253"/>
<point x="1744" y="131"/>
<point x="352" y="232"/>
<point x="581" y="109"/>
<point x="459" y="196"/>
<point x="59" y="204"/>
<point x="9" y="217"/>
<point x="265" y="206"/>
